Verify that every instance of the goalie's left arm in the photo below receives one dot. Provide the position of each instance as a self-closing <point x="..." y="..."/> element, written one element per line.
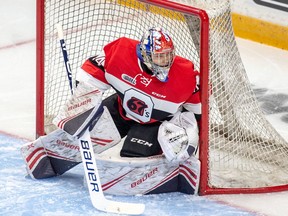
<point x="179" y="137"/>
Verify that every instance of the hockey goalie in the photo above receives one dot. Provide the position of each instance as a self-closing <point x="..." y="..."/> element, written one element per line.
<point x="145" y="136"/>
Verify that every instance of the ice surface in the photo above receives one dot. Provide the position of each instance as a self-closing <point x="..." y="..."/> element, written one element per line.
<point x="66" y="195"/>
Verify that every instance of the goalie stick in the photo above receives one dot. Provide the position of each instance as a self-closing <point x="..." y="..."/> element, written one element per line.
<point x="94" y="185"/>
<point x="65" y="55"/>
<point x="89" y="161"/>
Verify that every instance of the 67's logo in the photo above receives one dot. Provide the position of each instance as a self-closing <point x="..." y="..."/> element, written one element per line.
<point x="138" y="105"/>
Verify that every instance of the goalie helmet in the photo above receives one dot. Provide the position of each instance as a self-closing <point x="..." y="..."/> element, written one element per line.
<point x="156" y="50"/>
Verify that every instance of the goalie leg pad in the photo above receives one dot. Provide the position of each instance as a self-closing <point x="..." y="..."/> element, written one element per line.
<point x="57" y="152"/>
<point x="36" y="159"/>
<point x="105" y="133"/>
<point x="51" y="155"/>
<point x="151" y="175"/>
<point x="134" y="176"/>
<point x="189" y="176"/>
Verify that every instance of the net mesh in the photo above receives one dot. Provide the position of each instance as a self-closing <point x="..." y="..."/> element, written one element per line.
<point x="244" y="150"/>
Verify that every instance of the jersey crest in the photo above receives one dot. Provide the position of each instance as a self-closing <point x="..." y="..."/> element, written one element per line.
<point x="138" y="105"/>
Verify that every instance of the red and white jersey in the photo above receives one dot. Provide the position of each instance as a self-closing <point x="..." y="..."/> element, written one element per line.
<point x="141" y="96"/>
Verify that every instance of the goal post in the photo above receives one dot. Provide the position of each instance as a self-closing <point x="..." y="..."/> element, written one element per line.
<point x="240" y="152"/>
<point x="40" y="69"/>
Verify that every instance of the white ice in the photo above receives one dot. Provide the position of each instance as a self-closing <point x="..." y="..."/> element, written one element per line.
<point x="266" y="67"/>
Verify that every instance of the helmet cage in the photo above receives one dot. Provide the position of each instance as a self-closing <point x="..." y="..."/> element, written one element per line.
<point x="158" y="52"/>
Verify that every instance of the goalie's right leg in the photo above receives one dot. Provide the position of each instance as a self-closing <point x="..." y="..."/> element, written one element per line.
<point x="58" y="152"/>
<point x="50" y="155"/>
<point x="37" y="162"/>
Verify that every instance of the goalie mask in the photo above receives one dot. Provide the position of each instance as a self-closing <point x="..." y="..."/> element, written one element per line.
<point x="157" y="52"/>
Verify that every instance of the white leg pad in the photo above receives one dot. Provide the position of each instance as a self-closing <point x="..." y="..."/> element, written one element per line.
<point x="132" y="176"/>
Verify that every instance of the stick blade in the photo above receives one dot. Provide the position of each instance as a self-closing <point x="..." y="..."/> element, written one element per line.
<point x="121" y="207"/>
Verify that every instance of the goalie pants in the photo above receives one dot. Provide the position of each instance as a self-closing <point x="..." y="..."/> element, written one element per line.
<point x="141" y="139"/>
